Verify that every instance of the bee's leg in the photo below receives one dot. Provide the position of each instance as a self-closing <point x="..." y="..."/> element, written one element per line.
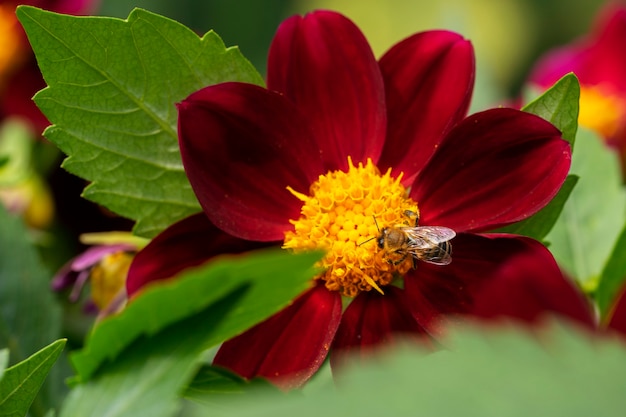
<point x="398" y="261"/>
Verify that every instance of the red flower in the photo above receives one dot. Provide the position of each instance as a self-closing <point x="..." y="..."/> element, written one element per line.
<point x="598" y="61"/>
<point x="335" y="149"/>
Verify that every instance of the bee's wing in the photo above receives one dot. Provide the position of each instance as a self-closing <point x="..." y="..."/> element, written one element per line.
<point x="430" y="243"/>
<point x="438" y="255"/>
<point x="422" y="237"/>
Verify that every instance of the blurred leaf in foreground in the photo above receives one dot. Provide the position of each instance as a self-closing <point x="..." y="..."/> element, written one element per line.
<point x="497" y="371"/>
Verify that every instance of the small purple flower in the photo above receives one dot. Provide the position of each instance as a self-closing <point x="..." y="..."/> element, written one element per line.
<point x="106" y="267"/>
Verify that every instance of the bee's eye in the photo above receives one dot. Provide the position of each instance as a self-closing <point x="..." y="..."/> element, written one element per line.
<point x="381" y="242"/>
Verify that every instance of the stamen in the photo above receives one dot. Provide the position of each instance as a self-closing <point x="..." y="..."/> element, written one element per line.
<point x="341" y="215"/>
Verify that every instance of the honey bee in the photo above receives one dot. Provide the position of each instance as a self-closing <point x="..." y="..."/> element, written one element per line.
<point x="424" y="243"/>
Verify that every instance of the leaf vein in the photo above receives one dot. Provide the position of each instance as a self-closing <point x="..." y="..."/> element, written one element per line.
<point x="137" y="100"/>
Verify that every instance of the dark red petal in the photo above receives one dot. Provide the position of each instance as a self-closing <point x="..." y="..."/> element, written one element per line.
<point x="289" y="347"/>
<point x="492" y="275"/>
<point x="428" y="82"/>
<point x="187" y="243"/>
<point x="528" y="286"/>
<point x="242" y="146"/>
<point x="494" y="168"/>
<point x="618" y="313"/>
<point x="371" y="320"/>
<point x="437" y="291"/>
<point x="323" y="63"/>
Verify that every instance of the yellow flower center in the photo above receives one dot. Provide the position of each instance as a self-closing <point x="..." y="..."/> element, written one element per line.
<point x="344" y="214"/>
<point x="600" y="110"/>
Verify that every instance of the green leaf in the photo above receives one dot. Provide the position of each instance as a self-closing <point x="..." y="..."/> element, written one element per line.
<point x="540" y="224"/>
<point x="584" y="235"/>
<point x="112" y="89"/>
<point x="504" y="372"/>
<point x="29" y="314"/>
<point x="21" y="382"/>
<point x="274" y="278"/>
<point x="613" y="276"/>
<point x="559" y="105"/>
<point x="148" y="376"/>
<point x="146" y="379"/>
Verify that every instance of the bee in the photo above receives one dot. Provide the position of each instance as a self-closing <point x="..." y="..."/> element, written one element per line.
<point x="424" y="243"/>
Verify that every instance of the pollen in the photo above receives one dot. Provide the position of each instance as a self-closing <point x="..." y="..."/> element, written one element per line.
<point x="600" y="110"/>
<point x="343" y="214"/>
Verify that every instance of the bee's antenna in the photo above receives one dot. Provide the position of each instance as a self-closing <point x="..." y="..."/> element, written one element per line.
<point x="371" y="238"/>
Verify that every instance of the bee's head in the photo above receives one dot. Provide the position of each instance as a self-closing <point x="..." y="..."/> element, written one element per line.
<point x="381" y="238"/>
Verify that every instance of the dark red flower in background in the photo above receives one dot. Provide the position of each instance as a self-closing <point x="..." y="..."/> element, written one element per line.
<point x="598" y="60"/>
<point x="20" y="77"/>
<point x="338" y="147"/>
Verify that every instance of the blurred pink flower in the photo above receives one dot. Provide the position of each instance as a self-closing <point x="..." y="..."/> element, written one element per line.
<point x="599" y="62"/>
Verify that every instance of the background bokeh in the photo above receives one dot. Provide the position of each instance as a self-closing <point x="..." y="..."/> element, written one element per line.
<point x="508" y="35"/>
